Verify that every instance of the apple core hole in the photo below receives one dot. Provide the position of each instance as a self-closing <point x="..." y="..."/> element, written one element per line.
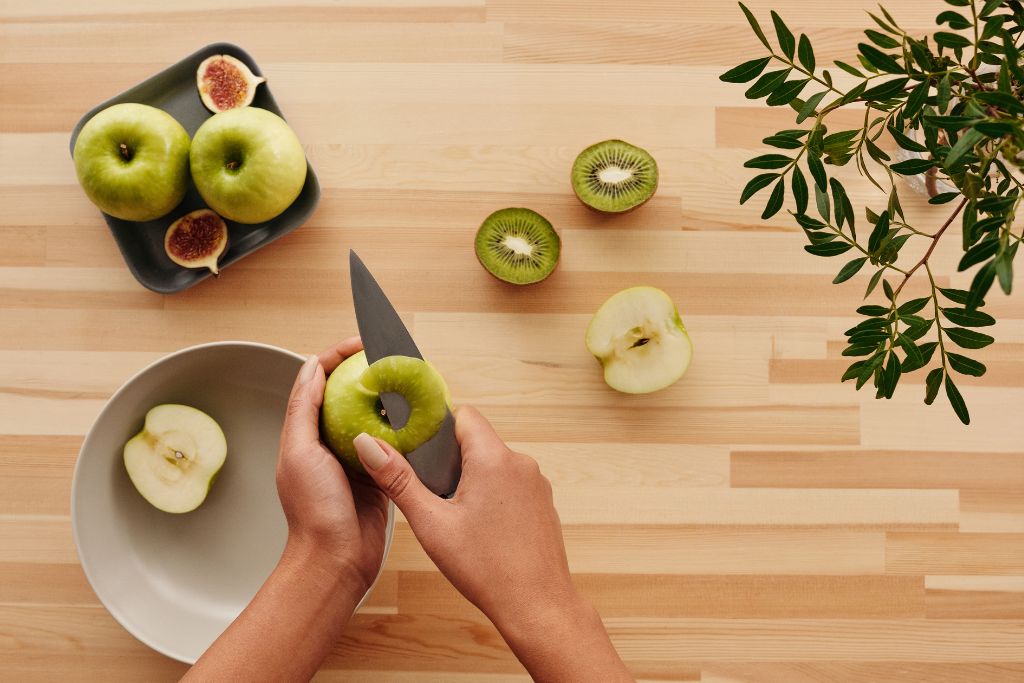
<point x="398" y="417"/>
<point x="124" y="151"/>
<point x="640" y="342"/>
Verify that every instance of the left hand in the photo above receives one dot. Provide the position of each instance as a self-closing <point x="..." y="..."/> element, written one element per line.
<point x="331" y="513"/>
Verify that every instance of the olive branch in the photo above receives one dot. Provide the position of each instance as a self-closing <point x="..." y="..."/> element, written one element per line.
<point x="952" y="103"/>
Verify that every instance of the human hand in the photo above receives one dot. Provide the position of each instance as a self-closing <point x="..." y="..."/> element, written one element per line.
<point x="339" y="517"/>
<point x="499" y="541"/>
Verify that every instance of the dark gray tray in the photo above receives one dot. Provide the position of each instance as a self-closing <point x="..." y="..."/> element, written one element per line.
<point x="142" y="244"/>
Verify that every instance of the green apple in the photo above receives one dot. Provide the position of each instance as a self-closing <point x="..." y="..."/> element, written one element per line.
<point x="247" y="164"/>
<point x="352" y="404"/>
<point x="132" y="161"/>
<point x="640" y="340"/>
<point x="174" y="460"/>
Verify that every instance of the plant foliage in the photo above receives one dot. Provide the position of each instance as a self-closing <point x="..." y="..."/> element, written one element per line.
<point x="952" y="100"/>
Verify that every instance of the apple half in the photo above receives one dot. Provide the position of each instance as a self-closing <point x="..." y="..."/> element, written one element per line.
<point x="639" y="339"/>
<point x="352" y="404"/>
<point x="174" y="460"/>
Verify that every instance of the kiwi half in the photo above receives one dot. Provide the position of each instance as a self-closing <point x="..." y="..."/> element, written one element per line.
<point x="614" y="176"/>
<point x="518" y="246"/>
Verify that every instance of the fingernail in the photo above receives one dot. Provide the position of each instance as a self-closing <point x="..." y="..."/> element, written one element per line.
<point x="308" y="368"/>
<point x="370" y="452"/>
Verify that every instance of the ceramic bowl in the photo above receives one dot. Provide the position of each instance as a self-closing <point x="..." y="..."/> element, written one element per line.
<point x="175" y="582"/>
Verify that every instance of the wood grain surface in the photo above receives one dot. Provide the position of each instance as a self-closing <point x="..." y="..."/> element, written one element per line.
<point x="756" y="523"/>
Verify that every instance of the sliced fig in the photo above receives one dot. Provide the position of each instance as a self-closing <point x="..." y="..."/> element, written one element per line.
<point x="226" y="83"/>
<point x="197" y="240"/>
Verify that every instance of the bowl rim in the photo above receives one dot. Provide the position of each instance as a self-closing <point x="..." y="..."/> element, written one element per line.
<point x="89" y="573"/>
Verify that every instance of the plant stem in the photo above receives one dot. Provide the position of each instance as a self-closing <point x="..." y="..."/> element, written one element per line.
<point x="931" y="247"/>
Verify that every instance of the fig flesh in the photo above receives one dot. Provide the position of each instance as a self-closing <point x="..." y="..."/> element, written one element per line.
<point x="197" y="240"/>
<point x="226" y="83"/>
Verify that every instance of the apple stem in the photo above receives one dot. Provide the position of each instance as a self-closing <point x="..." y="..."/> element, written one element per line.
<point x="125" y="151"/>
<point x="232" y="165"/>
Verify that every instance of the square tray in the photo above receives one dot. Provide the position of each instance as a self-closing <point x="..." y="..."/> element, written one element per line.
<point x="142" y="243"/>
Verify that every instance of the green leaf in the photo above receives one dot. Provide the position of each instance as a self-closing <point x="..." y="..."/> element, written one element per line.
<point x="873" y="282"/>
<point x="885" y="90"/>
<point x="768" y="82"/>
<point x="963" y="146"/>
<point x="951" y="40"/>
<point x="955" y="20"/>
<point x="853" y="370"/>
<point x="1002" y="100"/>
<point x="913" y="354"/>
<point x="822" y="204"/>
<point x="786" y="92"/>
<point x="905" y="141"/>
<point x="881" y="40"/>
<point x="958" y="296"/>
<point x="849" y="270"/>
<point x="775" y="201"/>
<point x="756" y="184"/>
<point x="810" y="106"/>
<point x="980" y="285"/>
<point x="932" y="384"/>
<point x="880" y="230"/>
<point x="915" y="101"/>
<point x="799" y="187"/>
<point x="879" y="59"/>
<point x="965" y="365"/>
<point x="891" y="376"/>
<point x="957" y="401"/>
<point x="995" y="129"/>
<point x="966" y="318"/>
<point x="968" y="339"/>
<point x="817" y="170"/>
<point x="768" y="161"/>
<point x="756" y="27"/>
<point x="806" y="53"/>
<point x="747" y="71"/>
<point x="981" y="251"/>
<point x="1004" y="270"/>
<point x="944" y="197"/>
<point x="887" y="289"/>
<point x="912" y="166"/>
<point x="828" y="249"/>
<point x="853" y="71"/>
<point x="782" y="142"/>
<point x="873" y="309"/>
<point x="913" y="306"/>
<point x="786" y="41"/>
<point x="951" y="123"/>
<point x="944" y="93"/>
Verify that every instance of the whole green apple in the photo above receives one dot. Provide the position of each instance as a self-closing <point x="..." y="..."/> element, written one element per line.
<point x="352" y="404"/>
<point x="132" y="161"/>
<point x="247" y="164"/>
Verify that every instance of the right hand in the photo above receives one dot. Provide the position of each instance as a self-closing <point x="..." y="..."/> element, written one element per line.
<point x="498" y="539"/>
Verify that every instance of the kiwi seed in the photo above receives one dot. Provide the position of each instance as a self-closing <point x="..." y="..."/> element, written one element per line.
<point x="614" y="176"/>
<point x="518" y="246"/>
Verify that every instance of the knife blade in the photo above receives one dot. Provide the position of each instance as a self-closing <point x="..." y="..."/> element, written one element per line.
<point x="438" y="462"/>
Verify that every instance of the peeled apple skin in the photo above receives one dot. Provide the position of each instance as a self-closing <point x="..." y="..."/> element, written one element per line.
<point x="640" y="341"/>
<point x="351" y="404"/>
<point x="175" y="459"/>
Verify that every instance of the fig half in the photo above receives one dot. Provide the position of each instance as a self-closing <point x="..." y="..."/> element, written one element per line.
<point x="197" y="240"/>
<point x="226" y="83"/>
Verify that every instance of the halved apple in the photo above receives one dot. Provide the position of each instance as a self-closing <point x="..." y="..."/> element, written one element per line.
<point x="640" y="341"/>
<point x="175" y="458"/>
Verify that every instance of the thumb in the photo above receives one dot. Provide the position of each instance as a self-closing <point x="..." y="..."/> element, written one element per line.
<point x="394" y="475"/>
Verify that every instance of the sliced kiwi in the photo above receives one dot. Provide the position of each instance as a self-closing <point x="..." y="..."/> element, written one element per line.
<point x="614" y="176"/>
<point x="518" y="246"/>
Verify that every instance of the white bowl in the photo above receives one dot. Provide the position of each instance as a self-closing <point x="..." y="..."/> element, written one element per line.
<point x="175" y="582"/>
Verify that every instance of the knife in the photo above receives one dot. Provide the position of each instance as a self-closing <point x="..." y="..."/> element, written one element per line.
<point x="438" y="462"/>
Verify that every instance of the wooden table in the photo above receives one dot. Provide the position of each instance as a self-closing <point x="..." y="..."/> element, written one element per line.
<point x="756" y="522"/>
